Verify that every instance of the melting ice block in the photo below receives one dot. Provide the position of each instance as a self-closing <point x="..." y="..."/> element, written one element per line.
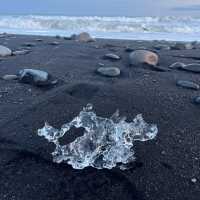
<point x="106" y="142"/>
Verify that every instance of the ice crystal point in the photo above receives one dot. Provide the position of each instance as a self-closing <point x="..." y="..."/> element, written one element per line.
<point x="106" y="142"/>
<point x="88" y="107"/>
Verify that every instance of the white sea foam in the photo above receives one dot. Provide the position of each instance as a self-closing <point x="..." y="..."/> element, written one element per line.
<point x="169" y="28"/>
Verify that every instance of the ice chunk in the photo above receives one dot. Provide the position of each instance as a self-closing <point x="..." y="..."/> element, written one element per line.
<point x="106" y="142"/>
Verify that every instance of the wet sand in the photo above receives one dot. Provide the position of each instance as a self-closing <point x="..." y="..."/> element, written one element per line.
<point x="165" y="168"/>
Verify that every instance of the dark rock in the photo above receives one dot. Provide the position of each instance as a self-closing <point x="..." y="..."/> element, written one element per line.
<point x="112" y="56"/>
<point x="35" y="77"/>
<point x="39" y="40"/>
<point x="143" y="57"/>
<point x="29" y="44"/>
<point x="109" y="71"/>
<point x="192" y="68"/>
<point x="58" y="36"/>
<point x="188" y="84"/>
<point x="67" y="38"/>
<point x="4" y="51"/>
<point x="196" y="100"/>
<point x="129" y="49"/>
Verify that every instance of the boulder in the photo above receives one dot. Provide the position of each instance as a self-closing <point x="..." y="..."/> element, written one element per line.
<point x="138" y="57"/>
<point x="83" y="37"/>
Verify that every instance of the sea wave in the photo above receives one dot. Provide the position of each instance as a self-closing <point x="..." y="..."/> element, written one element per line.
<point x="100" y="25"/>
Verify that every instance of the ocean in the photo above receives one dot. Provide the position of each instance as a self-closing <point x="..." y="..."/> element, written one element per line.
<point x="135" y="28"/>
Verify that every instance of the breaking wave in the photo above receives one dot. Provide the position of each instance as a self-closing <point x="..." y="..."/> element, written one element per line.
<point x="121" y="27"/>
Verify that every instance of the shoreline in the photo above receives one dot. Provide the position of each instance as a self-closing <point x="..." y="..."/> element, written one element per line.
<point x="132" y="36"/>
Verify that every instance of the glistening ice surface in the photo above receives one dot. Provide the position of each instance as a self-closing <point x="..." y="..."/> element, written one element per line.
<point x="106" y="142"/>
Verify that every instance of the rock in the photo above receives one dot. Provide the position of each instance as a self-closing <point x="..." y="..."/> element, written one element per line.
<point x="112" y="56"/>
<point x="101" y="64"/>
<point x="176" y="65"/>
<point x="182" y="46"/>
<point x="143" y="57"/>
<point x="35" y="77"/>
<point x="29" y="44"/>
<point x="83" y="37"/>
<point x="67" y="38"/>
<point x="188" y="84"/>
<point x="129" y="49"/>
<point x="196" y="100"/>
<point x="4" y="51"/>
<point x="162" y="47"/>
<point x="58" y="36"/>
<point x="8" y="77"/>
<point x="20" y="52"/>
<point x="109" y="71"/>
<point x="54" y="43"/>
<point x="39" y="40"/>
<point x="192" y="68"/>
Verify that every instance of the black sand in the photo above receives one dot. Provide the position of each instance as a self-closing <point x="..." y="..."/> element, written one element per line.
<point x="165" y="167"/>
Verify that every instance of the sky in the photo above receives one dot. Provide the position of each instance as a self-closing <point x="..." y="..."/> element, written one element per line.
<point x="101" y="7"/>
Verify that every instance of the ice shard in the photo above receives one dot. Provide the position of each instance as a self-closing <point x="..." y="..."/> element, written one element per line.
<point x="106" y="142"/>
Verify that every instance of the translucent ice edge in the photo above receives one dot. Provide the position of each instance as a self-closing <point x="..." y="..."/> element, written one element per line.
<point x="106" y="142"/>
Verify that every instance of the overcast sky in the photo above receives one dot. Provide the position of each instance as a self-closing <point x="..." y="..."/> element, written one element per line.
<point x="101" y="7"/>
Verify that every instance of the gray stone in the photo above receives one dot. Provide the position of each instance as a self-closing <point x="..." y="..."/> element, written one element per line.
<point x="21" y="52"/>
<point x="143" y="57"/>
<point x="9" y="77"/>
<point x="109" y="71"/>
<point x="188" y="84"/>
<point x="35" y="77"/>
<point x="129" y="49"/>
<point x="54" y="43"/>
<point x="177" y="65"/>
<point x="162" y="47"/>
<point x="192" y="68"/>
<point x="4" y="51"/>
<point x="112" y="56"/>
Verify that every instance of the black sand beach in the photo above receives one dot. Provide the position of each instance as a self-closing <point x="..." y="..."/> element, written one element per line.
<point x="167" y="168"/>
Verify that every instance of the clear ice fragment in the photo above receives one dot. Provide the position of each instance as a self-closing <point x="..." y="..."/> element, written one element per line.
<point x="106" y="142"/>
